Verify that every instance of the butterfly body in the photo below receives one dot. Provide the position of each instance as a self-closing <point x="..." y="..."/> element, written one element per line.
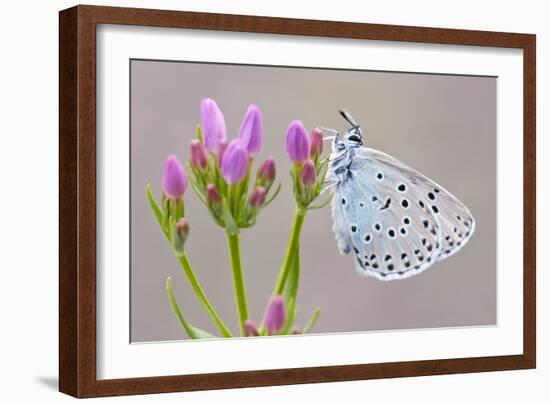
<point x="394" y="220"/>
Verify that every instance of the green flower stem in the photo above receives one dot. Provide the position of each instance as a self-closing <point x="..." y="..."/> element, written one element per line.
<point x="291" y="250"/>
<point x="233" y="241"/>
<point x="186" y="265"/>
<point x="293" y="279"/>
<point x="188" y="270"/>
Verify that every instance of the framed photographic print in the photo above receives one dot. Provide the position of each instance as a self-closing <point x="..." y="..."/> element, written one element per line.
<point x="253" y="201"/>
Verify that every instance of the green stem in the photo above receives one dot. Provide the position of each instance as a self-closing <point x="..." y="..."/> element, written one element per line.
<point x="184" y="261"/>
<point x="233" y="241"/>
<point x="293" y="279"/>
<point x="292" y="248"/>
<point x="188" y="270"/>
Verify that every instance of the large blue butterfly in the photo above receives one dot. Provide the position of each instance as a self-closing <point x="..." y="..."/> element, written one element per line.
<point x="395" y="221"/>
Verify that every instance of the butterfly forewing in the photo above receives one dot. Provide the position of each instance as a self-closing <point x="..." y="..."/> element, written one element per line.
<point x="396" y="221"/>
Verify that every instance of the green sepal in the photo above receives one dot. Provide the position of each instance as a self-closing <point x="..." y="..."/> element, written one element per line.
<point x="199" y="134"/>
<point x="197" y="190"/>
<point x="178" y="243"/>
<point x="230" y="224"/>
<point x="166" y="210"/>
<point x="268" y="201"/>
<point x="244" y="184"/>
<point x="321" y="205"/>
<point x="178" y="208"/>
<point x="192" y="331"/>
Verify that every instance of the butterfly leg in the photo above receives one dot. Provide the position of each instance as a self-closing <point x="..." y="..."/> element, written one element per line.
<point x="327" y="186"/>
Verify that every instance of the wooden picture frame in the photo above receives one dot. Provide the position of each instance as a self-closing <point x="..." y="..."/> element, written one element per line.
<point x="77" y="200"/>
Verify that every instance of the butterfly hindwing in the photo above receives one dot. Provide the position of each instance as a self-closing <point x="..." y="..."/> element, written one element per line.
<point x="455" y="222"/>
<point x="396" y="221"/>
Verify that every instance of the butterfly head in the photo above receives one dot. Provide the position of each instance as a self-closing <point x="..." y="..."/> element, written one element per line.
<point x="353" y="136"/>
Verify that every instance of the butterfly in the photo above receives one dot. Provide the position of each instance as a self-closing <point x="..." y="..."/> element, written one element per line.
<point x="395" y="221"/>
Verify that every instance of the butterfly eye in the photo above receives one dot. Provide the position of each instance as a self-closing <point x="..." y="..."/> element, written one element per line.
<point x="355" y="138"/>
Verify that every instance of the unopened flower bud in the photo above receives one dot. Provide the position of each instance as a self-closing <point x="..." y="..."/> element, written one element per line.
<point x="297" y="142"/>
<point x="222" y="146"/>
<point x="250" y="328"/>
<point x="198" y="154"/>
<point x="234" y="164"/>
<point x="212" y="195"/>
<point x="212" y="124"/>
<point x="316" y="142"/>
<point x="257" y="198"/>
<point x="180" y="234"/>
<point x="266" y="173"/>
<point x="251" y="130"/>
<point x="174" y="182"/>
<point x="275" y="315"/>
<point x="309" y="175"/>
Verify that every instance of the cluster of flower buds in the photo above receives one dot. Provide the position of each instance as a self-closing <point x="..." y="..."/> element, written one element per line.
<point x="221" y="169"/>
<point x="174" y="185"/>
<point x="309" y="170"/>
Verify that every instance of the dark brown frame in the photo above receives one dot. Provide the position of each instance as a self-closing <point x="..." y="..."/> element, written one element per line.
<point x="77" y="200"/>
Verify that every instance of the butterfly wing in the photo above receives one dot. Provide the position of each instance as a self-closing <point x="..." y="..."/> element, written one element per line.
<point x="396" y="221"/>
<point x="455" y="222"/>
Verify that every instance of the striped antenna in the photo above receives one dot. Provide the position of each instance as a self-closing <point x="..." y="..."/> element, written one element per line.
<point x="346" y="115"/>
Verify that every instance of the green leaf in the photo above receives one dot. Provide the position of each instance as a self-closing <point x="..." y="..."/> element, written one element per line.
<point x="160" y="216"/>
<point x="153" y="203"/>
<point x="290" y="313"/>
<point x="312" y="320"/>
<point x="192" y="331"/>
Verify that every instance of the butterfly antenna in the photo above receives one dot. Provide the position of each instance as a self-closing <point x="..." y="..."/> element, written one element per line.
<point x="346" y="115"/>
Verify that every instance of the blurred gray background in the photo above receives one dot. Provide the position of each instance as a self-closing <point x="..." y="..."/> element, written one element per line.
<point x="443" y="126"/>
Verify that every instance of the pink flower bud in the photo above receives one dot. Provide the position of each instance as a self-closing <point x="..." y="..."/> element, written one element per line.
<point x="251" y="130"/>
<point x="212" y="195"/>
<point x="257" y="198"/>
<point x="174" y="181"/>
<point x="297" y="142"/>
<point x="275" y="315"/>
<point x="180" y="234"/>
<point x="182" y="227"/>
<point x="250" y="328"/>
<point x="316" y="142"/>
<point x="222" y="146"/>
<point x="266" y="173"/>
<point x="234" y="162"/>
<point x="309" y="175"/>
<point x="198" y="154"/>
<point x="212" y="124"/>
